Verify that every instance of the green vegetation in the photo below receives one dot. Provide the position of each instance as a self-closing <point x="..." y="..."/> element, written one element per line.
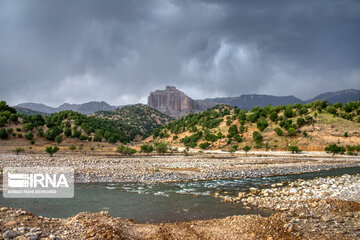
<point x="18" y="150"/>
<point x="335" y="149"/>
<point x="353" y="150"/>
<point x="294" y="149"/>
<point x="161" y="147"/>
<point x="246" y="149"/>
<point x="51" y="150"/>
<point x="142" y="118"/>
<point x="146" y="148"/>
<point x="204" y="145"/>
<point x="124" y="150"/>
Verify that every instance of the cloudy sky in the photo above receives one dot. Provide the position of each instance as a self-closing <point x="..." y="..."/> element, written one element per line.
<point x="118" y="51"/>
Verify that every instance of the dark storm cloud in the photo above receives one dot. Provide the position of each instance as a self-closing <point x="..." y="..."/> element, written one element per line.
<point x="118" y="51"/>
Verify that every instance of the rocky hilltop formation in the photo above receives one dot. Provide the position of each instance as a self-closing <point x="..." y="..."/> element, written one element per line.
<point x="173" y="102"/>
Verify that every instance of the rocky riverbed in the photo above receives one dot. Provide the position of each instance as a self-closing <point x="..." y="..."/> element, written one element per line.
<point x="179" y="168"/>
<point x="323" y="208"/>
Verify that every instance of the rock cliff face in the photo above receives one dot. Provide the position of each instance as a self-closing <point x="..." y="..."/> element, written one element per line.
<point x="172" y="102"/>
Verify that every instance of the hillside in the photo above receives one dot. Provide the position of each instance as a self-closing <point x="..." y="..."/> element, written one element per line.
<point x="27" y="111"/>
<point x="312" y="126"/>
<point x="84" y="108"/>
<point x="67" y="126"/>
<point x="342" y="96"/>
<point x="143" y="118"/>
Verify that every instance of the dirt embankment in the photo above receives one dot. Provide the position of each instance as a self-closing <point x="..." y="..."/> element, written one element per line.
<point x="327" y="219"/>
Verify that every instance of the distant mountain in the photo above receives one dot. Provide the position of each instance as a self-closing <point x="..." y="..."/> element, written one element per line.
<point x="28" y="111"/>
<point x="343" y="96"/>
<point x="173" y="102"/>
<point x="252" y="100"/>
<point x="84" y="108"/>
<point x="142" y="117"/>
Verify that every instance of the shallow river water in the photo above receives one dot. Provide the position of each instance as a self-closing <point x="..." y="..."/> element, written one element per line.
<point x="159" y="202"/>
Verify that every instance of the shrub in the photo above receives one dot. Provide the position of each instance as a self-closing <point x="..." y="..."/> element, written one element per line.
<point x="146" y="148"/>
<point x="32" y="141"/>
<point x="124" y="150"/>
<point x="233" y="129"/>
<point x="262" y="124"/>
<point x="346" y="134"/>
<point x="246" y="149"/>
<point x="278" y="131"/>
<point x="58" y="139"/>
<point x="27" y="127"/>
<point x="18" y="150"/>
<point x="300" y="122"/>
<point x="335" y="149"/>
<point x="3" y="134"/>
<point x="67" y="132"/>
<point x="204" y="145"/>
<point x="292" y="131"/>
<point x="257" y="137"/>
<point x="40" y="132"/>
<point x="294" y="149"/>
<point x="29" y="136"/>
<point x="211" y="137"/>
<point x="20" y="135"/>
<point x="51" y="150"/>
<point x="238" y="138"/>
<point x="161" y="147"/>
<point x="72" y="147"/>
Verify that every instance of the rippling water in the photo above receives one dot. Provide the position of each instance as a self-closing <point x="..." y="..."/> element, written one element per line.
<point x="159" y="202"/>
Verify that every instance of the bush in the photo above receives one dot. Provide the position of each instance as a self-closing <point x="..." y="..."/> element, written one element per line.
<point x="300" y="122"/>
<point x="146" y="148"/>
<point x="51" y="150"/>
<point x="18" y="150"/>
<point x="233" y="129"/>
<point x="262" y="124"/>
<point x="124" y="150"/>
<point x="294" y="149"/>
<point x="161" y="147"/>
<point x="67" y="132"/>
<point x="238" y="138"/>
<point x="72" y="147"/>
<point x="27" y="127"/>
<point x="29" y="136"/>
<point x="58" y="139"/>
<point x="32" y="141"/>
<point x="40" y="132"/>
<point x="246" y="148"/>
<point x="292" y="131"/>
<point x="335" y="149"/>
<point x="278" y="131"/>
<point x="211" y="137"/>
<point x="204" y="145"/>
<point x="3" y="134"/>
<point x="257" y="137"/>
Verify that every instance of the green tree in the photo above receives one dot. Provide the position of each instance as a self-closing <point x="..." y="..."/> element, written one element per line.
<point x="257" y="137"/>
<point x="233" y="129"/>
<point x="29" y="136"/>
<point x="335" y="149"/>
<point x="58" y="139"/>
<point x="300" y="122"/>
<point x="204" y="145"/>
<point x="51" y="150"/>
<point x="292" y="131"/>
<point x="246" y="149"/>
<point x="68" y="132"/>
<point x="3" y="134"/>
<point x="262" y="124"/>
<point x="278" y="131"/>
<point x="125" y="150"/>
<point x="161" y="147"/>
<point x="294" y="149"/>
<point x="146" y="148"/>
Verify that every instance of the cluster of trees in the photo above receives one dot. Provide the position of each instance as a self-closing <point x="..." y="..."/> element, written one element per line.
<point x="289" y="119"/>
<point x="56" y="126"/>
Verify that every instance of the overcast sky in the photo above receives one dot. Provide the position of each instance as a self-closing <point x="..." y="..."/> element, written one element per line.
<point x="118" y="51"/>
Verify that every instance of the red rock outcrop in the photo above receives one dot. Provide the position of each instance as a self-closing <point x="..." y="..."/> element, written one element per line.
<point x="172" y="102"/>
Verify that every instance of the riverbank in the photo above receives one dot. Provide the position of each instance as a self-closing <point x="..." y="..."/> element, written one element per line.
<point x="180" y="168"/>
<point x="341" y="222"/>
